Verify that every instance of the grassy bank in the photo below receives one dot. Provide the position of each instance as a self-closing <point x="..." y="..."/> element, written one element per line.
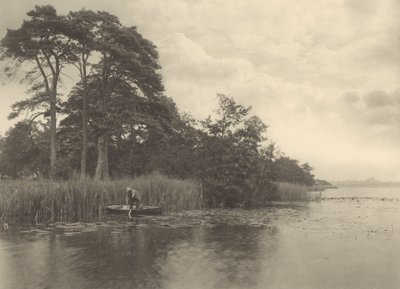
<point x="79" y="200"/>
<point x="288" y="192"/>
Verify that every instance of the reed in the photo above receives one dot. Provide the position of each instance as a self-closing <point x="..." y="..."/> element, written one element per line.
<point x="80" y="200"/>
<point x="288" y="192"/>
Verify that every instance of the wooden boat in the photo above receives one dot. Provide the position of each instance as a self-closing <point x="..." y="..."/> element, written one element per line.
<point x="145" y="210"/>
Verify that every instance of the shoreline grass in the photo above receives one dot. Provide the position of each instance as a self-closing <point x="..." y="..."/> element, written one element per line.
<point x="289" y="192"/>
<point x="81" y="200"/>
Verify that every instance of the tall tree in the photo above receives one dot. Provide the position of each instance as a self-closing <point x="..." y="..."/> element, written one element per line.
<point x="85" y="30"/>
<point x="129" y="61"/>
<point x="82" y="23"/>
<point x="40" y="44"/>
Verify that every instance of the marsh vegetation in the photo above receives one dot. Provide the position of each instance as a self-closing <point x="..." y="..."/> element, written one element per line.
<point x="85" y="199"/>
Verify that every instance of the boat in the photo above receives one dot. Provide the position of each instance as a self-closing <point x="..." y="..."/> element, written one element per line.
<point x="143" y="210"/>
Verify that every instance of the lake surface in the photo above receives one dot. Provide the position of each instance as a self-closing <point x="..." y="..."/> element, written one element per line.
<point x="349" y="240"/>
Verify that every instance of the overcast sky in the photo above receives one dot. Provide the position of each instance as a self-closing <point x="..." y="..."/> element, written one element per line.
<point x="323" y="74"/>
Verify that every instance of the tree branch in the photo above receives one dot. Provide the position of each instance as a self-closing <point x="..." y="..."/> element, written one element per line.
<point x="45" y="78"/>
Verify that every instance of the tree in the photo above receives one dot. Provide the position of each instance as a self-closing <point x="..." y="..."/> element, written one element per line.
<point x="87" y="34"/>
<point x="288" y="170"/>
<point x="177" y="153"/>
<point x="230" y="151"/>
<point x="136" y="126"/>
<point x="83" y="25"/>
<point x="1" y="142"/>
<point x="129" y="62"/>
<point x="40" y="44"/>
<point x="23" y="150"/>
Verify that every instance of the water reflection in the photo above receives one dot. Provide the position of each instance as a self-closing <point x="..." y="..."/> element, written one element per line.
<point x="227" y="258"/>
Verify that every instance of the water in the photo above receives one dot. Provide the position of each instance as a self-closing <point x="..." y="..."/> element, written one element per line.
<point x="349" y="240"/>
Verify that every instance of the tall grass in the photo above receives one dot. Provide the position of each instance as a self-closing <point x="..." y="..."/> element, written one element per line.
<point x="78" y="200"/>
<point x="173" y="194"/>
<point x="288" y="192"/>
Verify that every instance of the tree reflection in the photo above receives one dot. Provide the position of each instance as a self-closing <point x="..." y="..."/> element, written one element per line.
<point x="224" y="257"/>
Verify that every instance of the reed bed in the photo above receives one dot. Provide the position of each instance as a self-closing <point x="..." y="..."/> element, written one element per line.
<point x="80" y="200"/>
<point x="288" y="192"/>
<point x="173" y="194"/>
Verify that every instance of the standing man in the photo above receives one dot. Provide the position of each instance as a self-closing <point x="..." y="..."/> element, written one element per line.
<point x="131" y="199"/>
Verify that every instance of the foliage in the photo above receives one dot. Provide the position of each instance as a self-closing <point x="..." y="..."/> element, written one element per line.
<point x="136" y="127"/>
<point x="319" y="182"/>
<point x="177" y="153"/>
<point x="288" y="170"/>
<point x="229" y="148"/>
<point x="23" y="152"/>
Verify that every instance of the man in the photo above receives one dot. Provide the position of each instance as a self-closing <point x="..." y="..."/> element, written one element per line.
<point x="132" y="197"/>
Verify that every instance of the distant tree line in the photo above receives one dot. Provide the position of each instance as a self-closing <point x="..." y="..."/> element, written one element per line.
<point x="117" y="121"/>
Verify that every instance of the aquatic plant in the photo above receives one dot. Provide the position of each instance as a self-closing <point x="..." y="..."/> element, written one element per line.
<point x="83" y="199"/>
<point x="289" y="192"/>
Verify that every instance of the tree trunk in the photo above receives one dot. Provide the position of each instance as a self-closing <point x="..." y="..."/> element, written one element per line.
<point x="53" y="134"/>
<point x="84" y="144"/>
<point x="102" y="159"/>
<point x="84" y="129"/>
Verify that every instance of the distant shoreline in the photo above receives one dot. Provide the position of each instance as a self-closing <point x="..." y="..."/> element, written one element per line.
<point x="367" y="183"/>
<point x="368" y="186"/>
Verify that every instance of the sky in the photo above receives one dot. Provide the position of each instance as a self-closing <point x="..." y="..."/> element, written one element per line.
<point x="322" y="74"/>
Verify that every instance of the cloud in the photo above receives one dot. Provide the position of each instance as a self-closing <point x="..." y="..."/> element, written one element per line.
<point x="191" y="74"/>
<point x="373" y="116"/>
<point x="186" y="60"/>
<point x="361" y="6"/>
<point x="350" y="97"/>
<point x="378" y="99"/>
